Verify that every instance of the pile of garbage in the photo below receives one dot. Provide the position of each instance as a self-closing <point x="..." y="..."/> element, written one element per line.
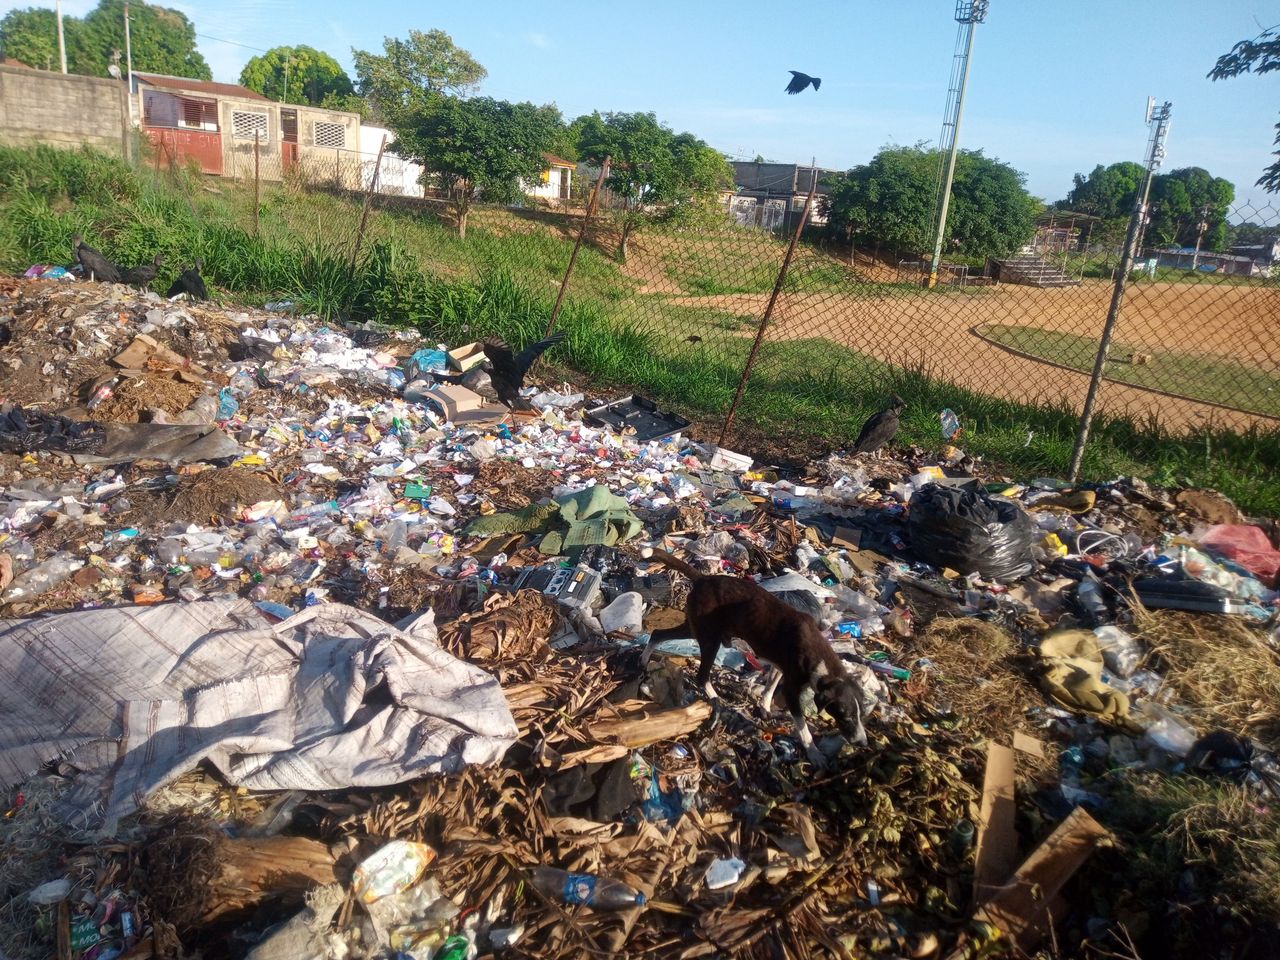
<point x="312" y="649"/>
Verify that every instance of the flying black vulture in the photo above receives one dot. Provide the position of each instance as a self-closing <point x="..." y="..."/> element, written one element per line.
<point x="801" y="80"/>
<point x="191" y="283"/>
<point x="143" y="275"/>
<point x="508" y="370"/>
<point x="95" y="265"/>
<point x="880" y="428"/>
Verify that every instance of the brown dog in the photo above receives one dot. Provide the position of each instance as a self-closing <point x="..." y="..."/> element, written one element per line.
<point x="721" y="608"/>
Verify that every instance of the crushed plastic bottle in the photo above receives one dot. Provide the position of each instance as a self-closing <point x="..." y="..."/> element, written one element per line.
<point x="950" y="424"/>
<point x="42" y="578"/>
<point x="586" y="889"/>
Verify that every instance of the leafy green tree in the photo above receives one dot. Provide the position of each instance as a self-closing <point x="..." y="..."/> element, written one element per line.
<point x="312" y="75"/>
<point x="1250" y="233"/>
<point x="1108" y="192"/>
<point x="1181" y="200"/>
<point x="890" y="200"/>
<point x="653" y="170"/>
<point x="410" y="73"/>
<point x="31" y="36"/>
<point x="476" y="146"/>
<point x="163" y="40"/>
<point x="1259" y="55"/>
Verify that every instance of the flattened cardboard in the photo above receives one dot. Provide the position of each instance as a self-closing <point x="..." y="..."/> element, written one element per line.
<point x="996" y="854"/>
<point x="1022" y="743"/>
<point x="848" y="537"/>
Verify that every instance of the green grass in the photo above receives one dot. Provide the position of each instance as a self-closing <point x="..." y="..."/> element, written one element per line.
<point x="414" y="271"/>
<point x="1200" y="376"/>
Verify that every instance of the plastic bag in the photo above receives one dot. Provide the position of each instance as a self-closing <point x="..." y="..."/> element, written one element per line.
<point x="965" y="529"/>
<point x="26" y="431"/>
<point x="1247" y="546"/>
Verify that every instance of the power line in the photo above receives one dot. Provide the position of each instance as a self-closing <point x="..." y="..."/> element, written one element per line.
<point x="234" y="43"/>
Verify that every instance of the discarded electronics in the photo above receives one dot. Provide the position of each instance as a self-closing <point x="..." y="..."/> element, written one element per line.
<point x="573" y="587"/>
<point x="637" y="415"/>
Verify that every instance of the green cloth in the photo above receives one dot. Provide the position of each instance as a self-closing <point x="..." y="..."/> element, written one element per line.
<point x="1072" y="677"/>
<point x="590" y="516"/>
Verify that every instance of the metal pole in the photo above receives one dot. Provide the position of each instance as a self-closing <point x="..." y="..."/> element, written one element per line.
<point x="582" y="235"/>
<point x="128" y="50"/>
<point x="368" y="199"/>
<point x="62" y="41"/>
<point x="944" y="200"/>
<point x="768" y="311"/>
<point x="257" y="207"/>
<point x="1117" y="297"/>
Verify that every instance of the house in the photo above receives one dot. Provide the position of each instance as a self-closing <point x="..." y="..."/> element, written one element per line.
<point x="772" y="195"/>
<point x="218" y="124"/>
<point x="556" y="181"/>
<point x="1187" y="258"/>
<point x="398" y="177"/>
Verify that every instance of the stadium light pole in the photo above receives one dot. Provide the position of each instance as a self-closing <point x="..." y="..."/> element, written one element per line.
<point x="62" y="40"/>
<point x="1158" y="119"/>
<point x="969" y="13"/>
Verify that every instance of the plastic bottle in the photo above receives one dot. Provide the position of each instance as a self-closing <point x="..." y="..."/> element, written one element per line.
<point x="102" y="394"/>
<point x="586" y="888"/>
<point x="42" y="578"/>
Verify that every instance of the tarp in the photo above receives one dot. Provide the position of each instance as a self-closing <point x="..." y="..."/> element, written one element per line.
<point x="329" y="698"/>
<point x="172" y="443"/>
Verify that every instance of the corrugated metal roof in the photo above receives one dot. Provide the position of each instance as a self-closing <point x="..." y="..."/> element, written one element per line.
<point x="200" y="86"/>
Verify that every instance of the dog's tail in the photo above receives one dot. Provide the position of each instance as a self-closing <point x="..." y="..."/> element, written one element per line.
<point x="672" y="562"/>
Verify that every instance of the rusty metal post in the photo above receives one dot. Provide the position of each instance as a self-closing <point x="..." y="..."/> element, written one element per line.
<point x="368" y="200"/>
<point x="257" y="206"/>
<point x="768" y="310"/>
<point x="582" y="235"/>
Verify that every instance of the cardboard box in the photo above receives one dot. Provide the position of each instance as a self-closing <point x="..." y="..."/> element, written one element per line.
<point x="459" y="405"/>
<point x="723" y="459"/>
<point x="466" y="357"/>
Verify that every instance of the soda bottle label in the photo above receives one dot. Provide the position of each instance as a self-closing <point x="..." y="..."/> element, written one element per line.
<point x="579" y="888"/>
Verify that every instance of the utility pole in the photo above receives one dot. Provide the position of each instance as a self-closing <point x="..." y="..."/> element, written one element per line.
<point x="62" y="41"/>
<point x="128" y="49"/>
<point x="1200" y="230"/>
<point x="1158" y="119"/>
<point x="969" y="13"/>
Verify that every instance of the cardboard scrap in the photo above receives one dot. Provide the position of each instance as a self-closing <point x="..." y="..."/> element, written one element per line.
<point x="462" y="406"/>
<point x="1023" y="908"/>
<point x="848" y="537"/>
<point x="636" y="724"/>
<point x="996" y="854"/>
<point x="147" y="352"/>
<point x="1022" y="743"/>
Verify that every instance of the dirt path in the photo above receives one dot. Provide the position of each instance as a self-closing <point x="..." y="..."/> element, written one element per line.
<point x="936" y="332"/>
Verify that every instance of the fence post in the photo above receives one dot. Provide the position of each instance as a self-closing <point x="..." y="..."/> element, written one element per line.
<point x="368" y="199"/>
<point x="1155" y="154"/>
<point x="257" y="206"/>
<point x="768" y="310"/>
<point x="582" y="234"/>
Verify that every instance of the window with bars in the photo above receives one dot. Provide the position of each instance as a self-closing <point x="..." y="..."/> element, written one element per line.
<point x="245" y="125"/>
<point x="330" y="134"/>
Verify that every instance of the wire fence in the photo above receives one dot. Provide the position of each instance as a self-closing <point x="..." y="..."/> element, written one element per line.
<point x="1194" y="351"/>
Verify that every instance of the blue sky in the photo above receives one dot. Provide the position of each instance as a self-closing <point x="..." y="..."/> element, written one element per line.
<point x="1055" y="88"/>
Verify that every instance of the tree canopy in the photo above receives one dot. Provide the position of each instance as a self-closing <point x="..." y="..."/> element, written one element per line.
<point x="653" y="170"/>
<point x="313" y="75"/>
<point x="477" y="146"/>
<point x="1259" y="55"/>
<point x="410" y="72"/>
<point x="890" y="200"/>
<point x="163" y="40"/>
<point x="1107" y="192"/>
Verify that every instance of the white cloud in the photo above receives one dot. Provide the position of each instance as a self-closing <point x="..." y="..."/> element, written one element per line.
<point x="539" y="40"/>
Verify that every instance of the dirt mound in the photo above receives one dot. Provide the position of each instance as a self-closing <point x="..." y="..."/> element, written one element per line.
<point x="206" y="496"/>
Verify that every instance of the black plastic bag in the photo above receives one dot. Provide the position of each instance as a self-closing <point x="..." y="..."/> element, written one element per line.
<point x="965" y="529"/>
<point x="28" y="431"/>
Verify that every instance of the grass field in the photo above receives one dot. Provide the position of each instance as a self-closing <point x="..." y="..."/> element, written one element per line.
<point x="810" y="390"/>
<point x="1200" y="376"/>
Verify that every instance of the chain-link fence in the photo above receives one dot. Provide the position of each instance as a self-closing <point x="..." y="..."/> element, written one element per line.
<point x="1007" y="343"/>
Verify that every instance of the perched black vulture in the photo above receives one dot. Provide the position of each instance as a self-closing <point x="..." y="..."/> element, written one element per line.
<point x="880" y="428"/>
<point x="143" y="275"/>
<point x="801" y="80"/>
<point x="191" y="283"/>
<point x="507" y="370"/>
<point x="96" y="266"/>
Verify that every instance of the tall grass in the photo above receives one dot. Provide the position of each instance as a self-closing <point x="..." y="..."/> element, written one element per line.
<point x="417" y="274"/>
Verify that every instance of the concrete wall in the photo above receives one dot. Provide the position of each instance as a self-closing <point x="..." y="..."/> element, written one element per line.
<point x="37" y="106"/>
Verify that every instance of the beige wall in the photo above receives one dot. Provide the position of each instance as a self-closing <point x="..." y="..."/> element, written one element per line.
<point x="37" y="106"/>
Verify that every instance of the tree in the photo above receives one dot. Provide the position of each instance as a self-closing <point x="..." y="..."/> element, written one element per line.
<point x="653" y="170"/>
<point x="1259" y="55"/>
<point x="163" y="41"/>
<point x="1181" y="200"/>
<point x="477" y="146"/>
<point x="312" y="75"/>
<point x="411" y="72"/>
<point x="31" y="36"/>
<point x="1108" y="192"/>
<point x="890" y="201"/>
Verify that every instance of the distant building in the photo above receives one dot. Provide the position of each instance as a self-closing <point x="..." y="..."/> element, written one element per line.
<point x="771" y="195"/>
<point x="555" y="184"/>
<point x="398" y="177"/>
<point x="217" y="124"/>
<point x="1186" y="258"/>
<point x="1265" y="253"/>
